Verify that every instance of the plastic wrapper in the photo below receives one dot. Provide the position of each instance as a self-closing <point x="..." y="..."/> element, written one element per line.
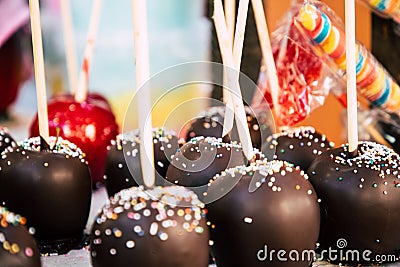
<point x="304" y="74"/>
<point x="374" y="83"/>
<point x="385" y="8"/>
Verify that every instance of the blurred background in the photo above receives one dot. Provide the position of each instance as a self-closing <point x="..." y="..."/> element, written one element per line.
<point x="179" y="31"/>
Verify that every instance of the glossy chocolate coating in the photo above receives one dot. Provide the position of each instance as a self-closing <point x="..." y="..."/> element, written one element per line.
<point x="280" y="212"/>
<point x="51" y="188"/>
<point x="123" y="168"/>
<point x="163" y="227"/>
<point x="359" y="198"/>
<point x="299" y="145"/>
<point x="200" y="159"/>
<point x="18" y="247"/>
<point x="211" y="121"/>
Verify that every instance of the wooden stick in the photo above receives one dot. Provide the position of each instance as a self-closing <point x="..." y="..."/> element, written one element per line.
<point x="230" y="15"/>
<point x="237" y="55"/>
<point x="227" y="58"/>
<point x="352" y="121"/>
<point x="229" y="117"/>
<point x="266" y="50"/>
<point x="82" y="90"/>
<point x="40" y="77"/>
<point x="142" y="76"/>
<point x="69" y="43"/>
<point x="239" y="33"/>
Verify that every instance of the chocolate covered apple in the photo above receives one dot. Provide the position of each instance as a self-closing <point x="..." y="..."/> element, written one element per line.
<point x="211" y="122"/>
<point x="200" y="159"/>
<point x="85" y="124"/>
<point x="161" y="227"/>
<point x="18" y="248"/>
<point x="359" y="199"/>
<point x="298" y="145"/>
<point x="51" y="186"/>
<point x="123" y="166"/>
<point x="263" y="207"/>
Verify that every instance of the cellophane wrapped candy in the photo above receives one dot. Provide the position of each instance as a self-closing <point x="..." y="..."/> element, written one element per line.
<point x="305" y="74"/>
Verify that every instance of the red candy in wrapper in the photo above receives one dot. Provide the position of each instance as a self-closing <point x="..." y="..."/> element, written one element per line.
<point x="304" y="79"/>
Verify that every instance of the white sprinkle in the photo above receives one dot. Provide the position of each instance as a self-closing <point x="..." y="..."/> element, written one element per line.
<point x="153" y="228"/>
<point x="113" y="251"/>
<point x="166" y="223"/>
<point x="147" y="212"/>
<point x="164" y="236"/>
<point x="130" y="244"/>
<point x="170" y="213"/>
<point x="137" y="229"/>
<point x="160" y="164"/>
<point x="248" y="220"/>
<point x="118" y="210"/>
<point x="2" y="238"/>
<point x="188" y="217"/>
<point x="186" y="225"/>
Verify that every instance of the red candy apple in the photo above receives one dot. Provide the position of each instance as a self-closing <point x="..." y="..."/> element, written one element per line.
<point x="94" y="98"/>
<point x="89" y="125"/>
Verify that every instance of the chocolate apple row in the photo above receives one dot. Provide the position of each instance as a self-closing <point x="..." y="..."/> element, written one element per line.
<point x="249" y="204"/>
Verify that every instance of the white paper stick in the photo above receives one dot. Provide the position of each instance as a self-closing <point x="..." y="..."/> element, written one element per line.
<point x="237" y="56"/>
<point x="69" y="43"/>
<point x="227" y="58"/>
<point x="229" y="118"/>
<point x="351" y="76"/>
<point x="230" y="16"/>
<point x="240" y="32"/>
<point x="83" y="83"/>
<point x="144" y="105"/>
<point x="266" y="50"/>
<point x="40" y="77"/>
